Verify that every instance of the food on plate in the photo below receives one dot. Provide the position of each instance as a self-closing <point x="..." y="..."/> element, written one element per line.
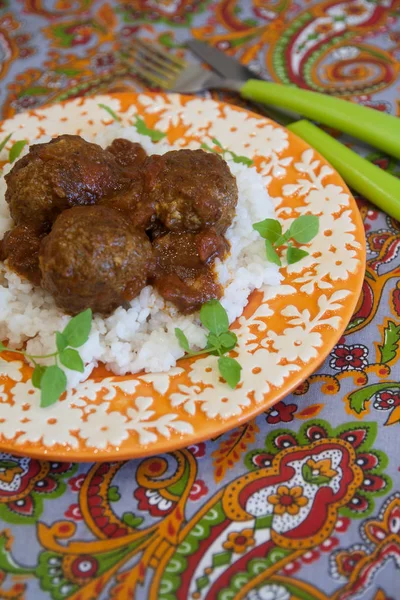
<point x="189" y="243"/>
<point x="127" y="154"/>
<point x="94" y="258"/>
<point x="52" y="382"/>
<point x="21" y="247"/>
<point x="51" y="379"/>
<point x="182" y="275"/>
<point x="101" y="209"/>
<point x="133" y="202"/>
<point x="302" y="230"/>
<point x="132" y="199"/>
<point x="66" y="172"/>
<point x="192" y="190"/>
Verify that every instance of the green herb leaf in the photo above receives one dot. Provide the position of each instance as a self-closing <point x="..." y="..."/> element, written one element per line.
<point x="182" y="339"/>
<point x="61" y="341"/>
<point x="4" y="142"/>
<point x="219" y="340"/>
<point x="293" y="254"/>
<point x="214" y="317"/>
<point x="272" y="254"/>
<point x="269" y="229"/>
<point x="304" y="228"/>
<point x="70" y="358"/>
<point x="110" y="112"/>
<point x="216" y="142"/>
<point x="153" y="134"/>
<point x="52" y="385"/>
<point x="213" y="341"/>
<point x="282" y="239"/>
<point x="230" y="370"/>
<point x="228" y="340"/>
<point x="78" y="329"/>
<point x="2" y="347"/>
<point x="37" y="375"/>
<point x="214" y="344"/>
<point x="205" y="147"/>
<point x="16" y="150"/>
<point x="242" y="160"/>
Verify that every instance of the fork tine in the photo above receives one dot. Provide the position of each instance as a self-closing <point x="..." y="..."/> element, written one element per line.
<point x="154" y="56"/>
<point x="151" y="78"/>
<point x="159" y="51"/>
<point x="160" y="69"/>
<point x="149" y="71"/>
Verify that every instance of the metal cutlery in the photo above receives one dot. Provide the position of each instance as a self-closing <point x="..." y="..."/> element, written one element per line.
<point x="172" y="73"/>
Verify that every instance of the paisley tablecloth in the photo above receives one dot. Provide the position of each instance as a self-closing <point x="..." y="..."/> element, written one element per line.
<point x="222" y="520"/>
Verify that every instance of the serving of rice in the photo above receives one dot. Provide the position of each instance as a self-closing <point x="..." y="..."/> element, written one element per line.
<point x="142" y="337"/>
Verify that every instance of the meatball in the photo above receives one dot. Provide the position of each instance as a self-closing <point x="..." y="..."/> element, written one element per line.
<point x="192" y="190"/>
<point x="189" y="296"/>
<point x="186" y="253"/>
<point x="20" y="246"/>
<point x="133" y="203"/>
<point x="182" y="268"/>
<point x="128" y="155"/>
<point x="65" y="172"/>
<point x="93" y="258"/>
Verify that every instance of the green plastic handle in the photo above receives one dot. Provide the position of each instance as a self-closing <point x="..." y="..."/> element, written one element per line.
<point x="370" y="181"/>
<point x="372" y="126"/>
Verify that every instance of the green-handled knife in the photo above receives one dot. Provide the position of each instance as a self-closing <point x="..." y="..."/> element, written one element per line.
<point x="374" y="127"/>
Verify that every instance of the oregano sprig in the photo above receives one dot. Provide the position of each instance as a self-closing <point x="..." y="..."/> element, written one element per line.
<point x="302" y="230"/>
<point x="15" y="149"/>
<point x="110" y="111"/>
<point x="4" y="141"/>
<point x="154" y="134"/>
<point x="243" y="160"/>
<point x="219" y="341"/>
<point x="139" y="123"/>
<point x="51" y="380"/>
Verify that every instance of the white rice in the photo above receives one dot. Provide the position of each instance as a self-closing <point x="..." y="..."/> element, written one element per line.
<point x="142" y="337"/>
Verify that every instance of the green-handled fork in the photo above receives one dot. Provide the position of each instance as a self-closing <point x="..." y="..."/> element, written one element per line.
<point x="171" y="73"/>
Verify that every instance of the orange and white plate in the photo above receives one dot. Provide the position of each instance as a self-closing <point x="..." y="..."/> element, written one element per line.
<point x="284" y="332"/>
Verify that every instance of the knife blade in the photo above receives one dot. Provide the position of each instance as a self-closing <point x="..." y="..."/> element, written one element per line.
<point x="230" y="68"/>
<point x="226" y="66"/>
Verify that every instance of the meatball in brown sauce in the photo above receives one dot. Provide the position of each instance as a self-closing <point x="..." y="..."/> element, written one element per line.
<point x="94" y="258"/>
<point x="192" y="189"/>
<point x="186" y="253"/>
<point x="66" y="172"/>
<point x="133" y="203"/>
<point x="182" y="267"/>
<point x="129" y="155"/>
<point x="21" y="247"/>
<point x="134" y="200"/>
<point x="94" y="226"/>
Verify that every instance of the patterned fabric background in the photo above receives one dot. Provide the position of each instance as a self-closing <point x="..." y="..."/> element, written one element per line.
<point x="211" y="521"/>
